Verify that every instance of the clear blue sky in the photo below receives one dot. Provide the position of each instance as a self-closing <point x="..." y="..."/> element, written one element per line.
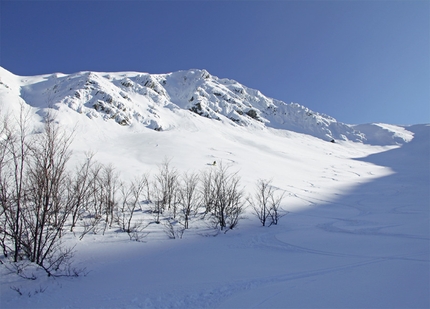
<point x="358" y="61"/>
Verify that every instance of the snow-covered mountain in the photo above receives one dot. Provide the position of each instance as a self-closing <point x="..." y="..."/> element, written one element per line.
<point x="356" y="233"/>
<point x="128" y="98"/>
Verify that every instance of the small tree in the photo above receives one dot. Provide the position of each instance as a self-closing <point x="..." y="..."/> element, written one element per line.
<point x="260" y="203"/>
<point x="157" y="204"/>
<point x="227" y="197"/>
<point x="48" y="200"/>
<point x="94" y="205"/>
<point x="130" y="196"/>
<point x="109" y="184"/>
<point x="207" y="191"/>
<point x="147" y="186"/>
<point x="165" y="189"/>
<point x="188" y="196"/>
<point x="266" y="203"/>
<point x="82" y="187"/>
<point x="15" y="145"/>
<point x="275" y="211"/>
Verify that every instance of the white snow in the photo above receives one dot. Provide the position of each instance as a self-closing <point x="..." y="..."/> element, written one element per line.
<point x="386" y="134"/>
<point x="356" y="235"/>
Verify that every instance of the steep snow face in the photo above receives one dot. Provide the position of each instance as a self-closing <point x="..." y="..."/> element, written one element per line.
<point x="130" y="97"/>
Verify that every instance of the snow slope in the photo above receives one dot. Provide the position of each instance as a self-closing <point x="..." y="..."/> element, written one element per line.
<point x="356" y="235"/>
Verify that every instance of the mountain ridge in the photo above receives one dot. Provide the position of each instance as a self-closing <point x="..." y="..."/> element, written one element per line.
<point x="135" y="97"/>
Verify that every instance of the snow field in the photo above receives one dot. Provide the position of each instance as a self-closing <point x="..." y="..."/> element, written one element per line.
<point x="356" y="234"/>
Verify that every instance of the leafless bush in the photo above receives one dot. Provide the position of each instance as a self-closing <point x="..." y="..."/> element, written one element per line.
<point x="266" y="203"/>
<point x="158" y="203"/>
<point x="276" y="211"/>
<point x="137" y="230"/>
<point x="35" y="195"/>
<point x="83" y="186"/>
<point x="15" y="145"/>
<point x="147" y="186"/>
<point x="109" y="184"/>
<point x="260" y="202"/>
<point x="207" y="190"/>
<point x="164" y="191"/>
<point x="188" y="196"/>
<point x="167" y="180"/>
<point x="226" y="197"/>
<point x="90" y="224"/>
<point x="94" y="209"/>
<point x="48" y="203"/>
<point x="131" y="196"/>
<point x="22" y="269"/>
<point x="173" y="229"/>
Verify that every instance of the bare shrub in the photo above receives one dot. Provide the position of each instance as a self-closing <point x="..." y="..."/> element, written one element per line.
<point x="266" y="203"/>
<point x="164" y="190"/>
<point x="83" y="189"/>
<point x="131" y="195"/>
<point x="109" y="184"/>
<point x="188" y="197"/>
<point x="260" y="202"/>
<point x="226" y="197"/>
<point x="275" y="210"/>
<point x="207" y="190"/>
<point x="48" y="200"/>
<point x="15" y="145"/>
<point x="36" y="195"/>
<point x="173" y="229"/>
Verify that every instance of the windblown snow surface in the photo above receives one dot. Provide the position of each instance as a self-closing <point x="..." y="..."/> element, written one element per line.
<point x="356" y="234"/>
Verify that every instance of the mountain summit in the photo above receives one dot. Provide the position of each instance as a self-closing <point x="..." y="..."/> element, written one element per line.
<point x="131" y="97"/>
